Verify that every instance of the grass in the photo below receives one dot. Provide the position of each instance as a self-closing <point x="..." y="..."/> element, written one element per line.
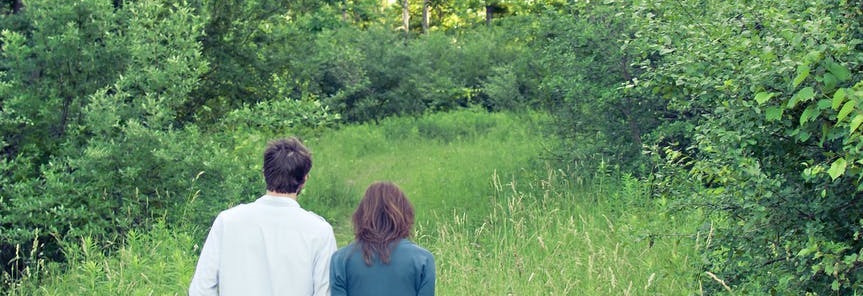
<point x="499" y="221"/>
<point x="551" y="237"/>
<point x="157" y="262"/>
<point x="441" y="161"/>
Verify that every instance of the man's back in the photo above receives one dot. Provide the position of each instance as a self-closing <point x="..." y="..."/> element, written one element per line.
<point x="269" y="247"/>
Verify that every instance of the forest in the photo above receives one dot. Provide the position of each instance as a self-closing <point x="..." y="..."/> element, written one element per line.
<point x="639" y="147"/>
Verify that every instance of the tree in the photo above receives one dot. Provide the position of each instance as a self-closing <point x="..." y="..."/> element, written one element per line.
<point x="425" y="16"/>
<point x="250" y="41"/>
<point x="14" y="6"/>
<point x="767" y="94"/>
<point x="406" y="16"/>
<point x="48" y="87"/>
<point x="82" y="141"/>
<point x="588" y="78"/>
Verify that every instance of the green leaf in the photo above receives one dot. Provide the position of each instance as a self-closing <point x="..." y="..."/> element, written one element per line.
<point x="826" y="130"/>
<point x="802" y="73"/>
<point x="804" y="94"/>
<point x="838" y="97"/>
<point x="763" y="97"/>
<point x="773" y="113"/>
<point x="807" y="250"/>
<point x="839" y="71"/>
<point x="850" y="259"/>
<point x="830" y="81"/>
<point x="855" y="123"/>
<point x="837" y="168"/>
<point x="849" y="106"/>
<point x="803" y="136"/>
<point x="823" y="104"/>
<point x="808" y="114"/>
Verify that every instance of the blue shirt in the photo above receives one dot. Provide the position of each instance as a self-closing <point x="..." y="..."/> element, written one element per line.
<point x="411" y="271"/>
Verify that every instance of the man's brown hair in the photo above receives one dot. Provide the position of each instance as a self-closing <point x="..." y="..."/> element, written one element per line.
<point x="286" y="164"/>
<point x="383" y="217"/>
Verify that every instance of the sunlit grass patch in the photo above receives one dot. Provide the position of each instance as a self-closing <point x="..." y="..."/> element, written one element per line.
<point x="442" y="161"/>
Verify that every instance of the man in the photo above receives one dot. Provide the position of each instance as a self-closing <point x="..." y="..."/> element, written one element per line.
<point x="271" y="246"/>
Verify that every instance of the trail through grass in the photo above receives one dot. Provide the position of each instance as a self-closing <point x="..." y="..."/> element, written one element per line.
<point x="442" y="161"/>
<point x="499" y="220"/>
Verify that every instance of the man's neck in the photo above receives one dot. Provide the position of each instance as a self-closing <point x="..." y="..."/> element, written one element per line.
<point x="288" y="195"/>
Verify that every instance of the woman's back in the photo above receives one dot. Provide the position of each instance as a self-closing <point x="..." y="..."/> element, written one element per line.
<point x="381" y="261"/>
<point x="410" y="271"/>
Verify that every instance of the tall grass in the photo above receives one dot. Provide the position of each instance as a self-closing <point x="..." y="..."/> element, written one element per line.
<point x="158" y="262"/>
<point x="497" y="219"/>
<point x="548" y="236"/>
<point x="442" y="161"/>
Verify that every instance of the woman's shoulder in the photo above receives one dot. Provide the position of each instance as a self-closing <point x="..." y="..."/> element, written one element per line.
<point x="345" y="251"/>
<point x="415" y="248"/>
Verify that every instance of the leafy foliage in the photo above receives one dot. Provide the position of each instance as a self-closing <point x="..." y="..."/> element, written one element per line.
<point x="113" y="115"/>
<point x="747" y="110"/>
<point x="112" y="119"/>
<point x="250" y="42"/>
<point x="763" y="87"/>
<point x="373" y="73"/>
<point x="587" y="83"/>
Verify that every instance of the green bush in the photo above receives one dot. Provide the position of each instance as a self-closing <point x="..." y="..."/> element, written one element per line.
<point x="586" y="71"/>
<point x="373" y="73"/>
<point x="751" y="112"/>
<point x="250" y="42"/>
<point x="92" y="145"/>
<point x="768" y="97"/>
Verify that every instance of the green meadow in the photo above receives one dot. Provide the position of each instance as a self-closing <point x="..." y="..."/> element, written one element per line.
<point x="499" y="219"/>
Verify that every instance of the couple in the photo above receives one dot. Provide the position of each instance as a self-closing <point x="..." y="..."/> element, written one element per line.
<point x="274" y="247"/>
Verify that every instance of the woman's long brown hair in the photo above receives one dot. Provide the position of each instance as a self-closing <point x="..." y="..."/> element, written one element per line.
<point x="384" y="216"/>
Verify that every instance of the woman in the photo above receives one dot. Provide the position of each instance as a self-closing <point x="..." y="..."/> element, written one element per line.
<point x="382" y="261"/>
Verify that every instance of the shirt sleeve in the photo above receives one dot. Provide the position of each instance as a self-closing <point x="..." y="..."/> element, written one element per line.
<point x="338" y="286"/>
<point x="427" y="281"/>
<point x="206" y="278"/>
<point x="321" y="272"/>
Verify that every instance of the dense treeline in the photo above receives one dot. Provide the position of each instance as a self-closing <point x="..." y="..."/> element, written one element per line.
<point x="115" y="113"/>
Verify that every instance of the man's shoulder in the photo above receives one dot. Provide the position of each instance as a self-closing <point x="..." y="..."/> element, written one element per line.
<point x="234" y="210"/>
<point x="317" y="220"/>
<point x="318" y="217"/>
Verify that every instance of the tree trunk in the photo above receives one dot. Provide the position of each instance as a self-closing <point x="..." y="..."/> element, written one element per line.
<point x="60" y="130"/>
<point x="344" y="13"/>
<point x="17" y="6"/>
<point x="406" y="16"/>
<point x="634" y="129"/>
<point x="425" y="16"/>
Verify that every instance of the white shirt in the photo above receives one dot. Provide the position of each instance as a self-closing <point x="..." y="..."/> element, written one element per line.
<point x="269" y="247"/>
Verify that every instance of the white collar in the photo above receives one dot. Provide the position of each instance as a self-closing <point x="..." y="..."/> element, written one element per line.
<point x="278" y="201"/>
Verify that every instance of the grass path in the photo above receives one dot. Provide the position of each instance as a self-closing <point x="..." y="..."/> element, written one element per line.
<point x="498" y="221"/>
<point x="442" y="162"/>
